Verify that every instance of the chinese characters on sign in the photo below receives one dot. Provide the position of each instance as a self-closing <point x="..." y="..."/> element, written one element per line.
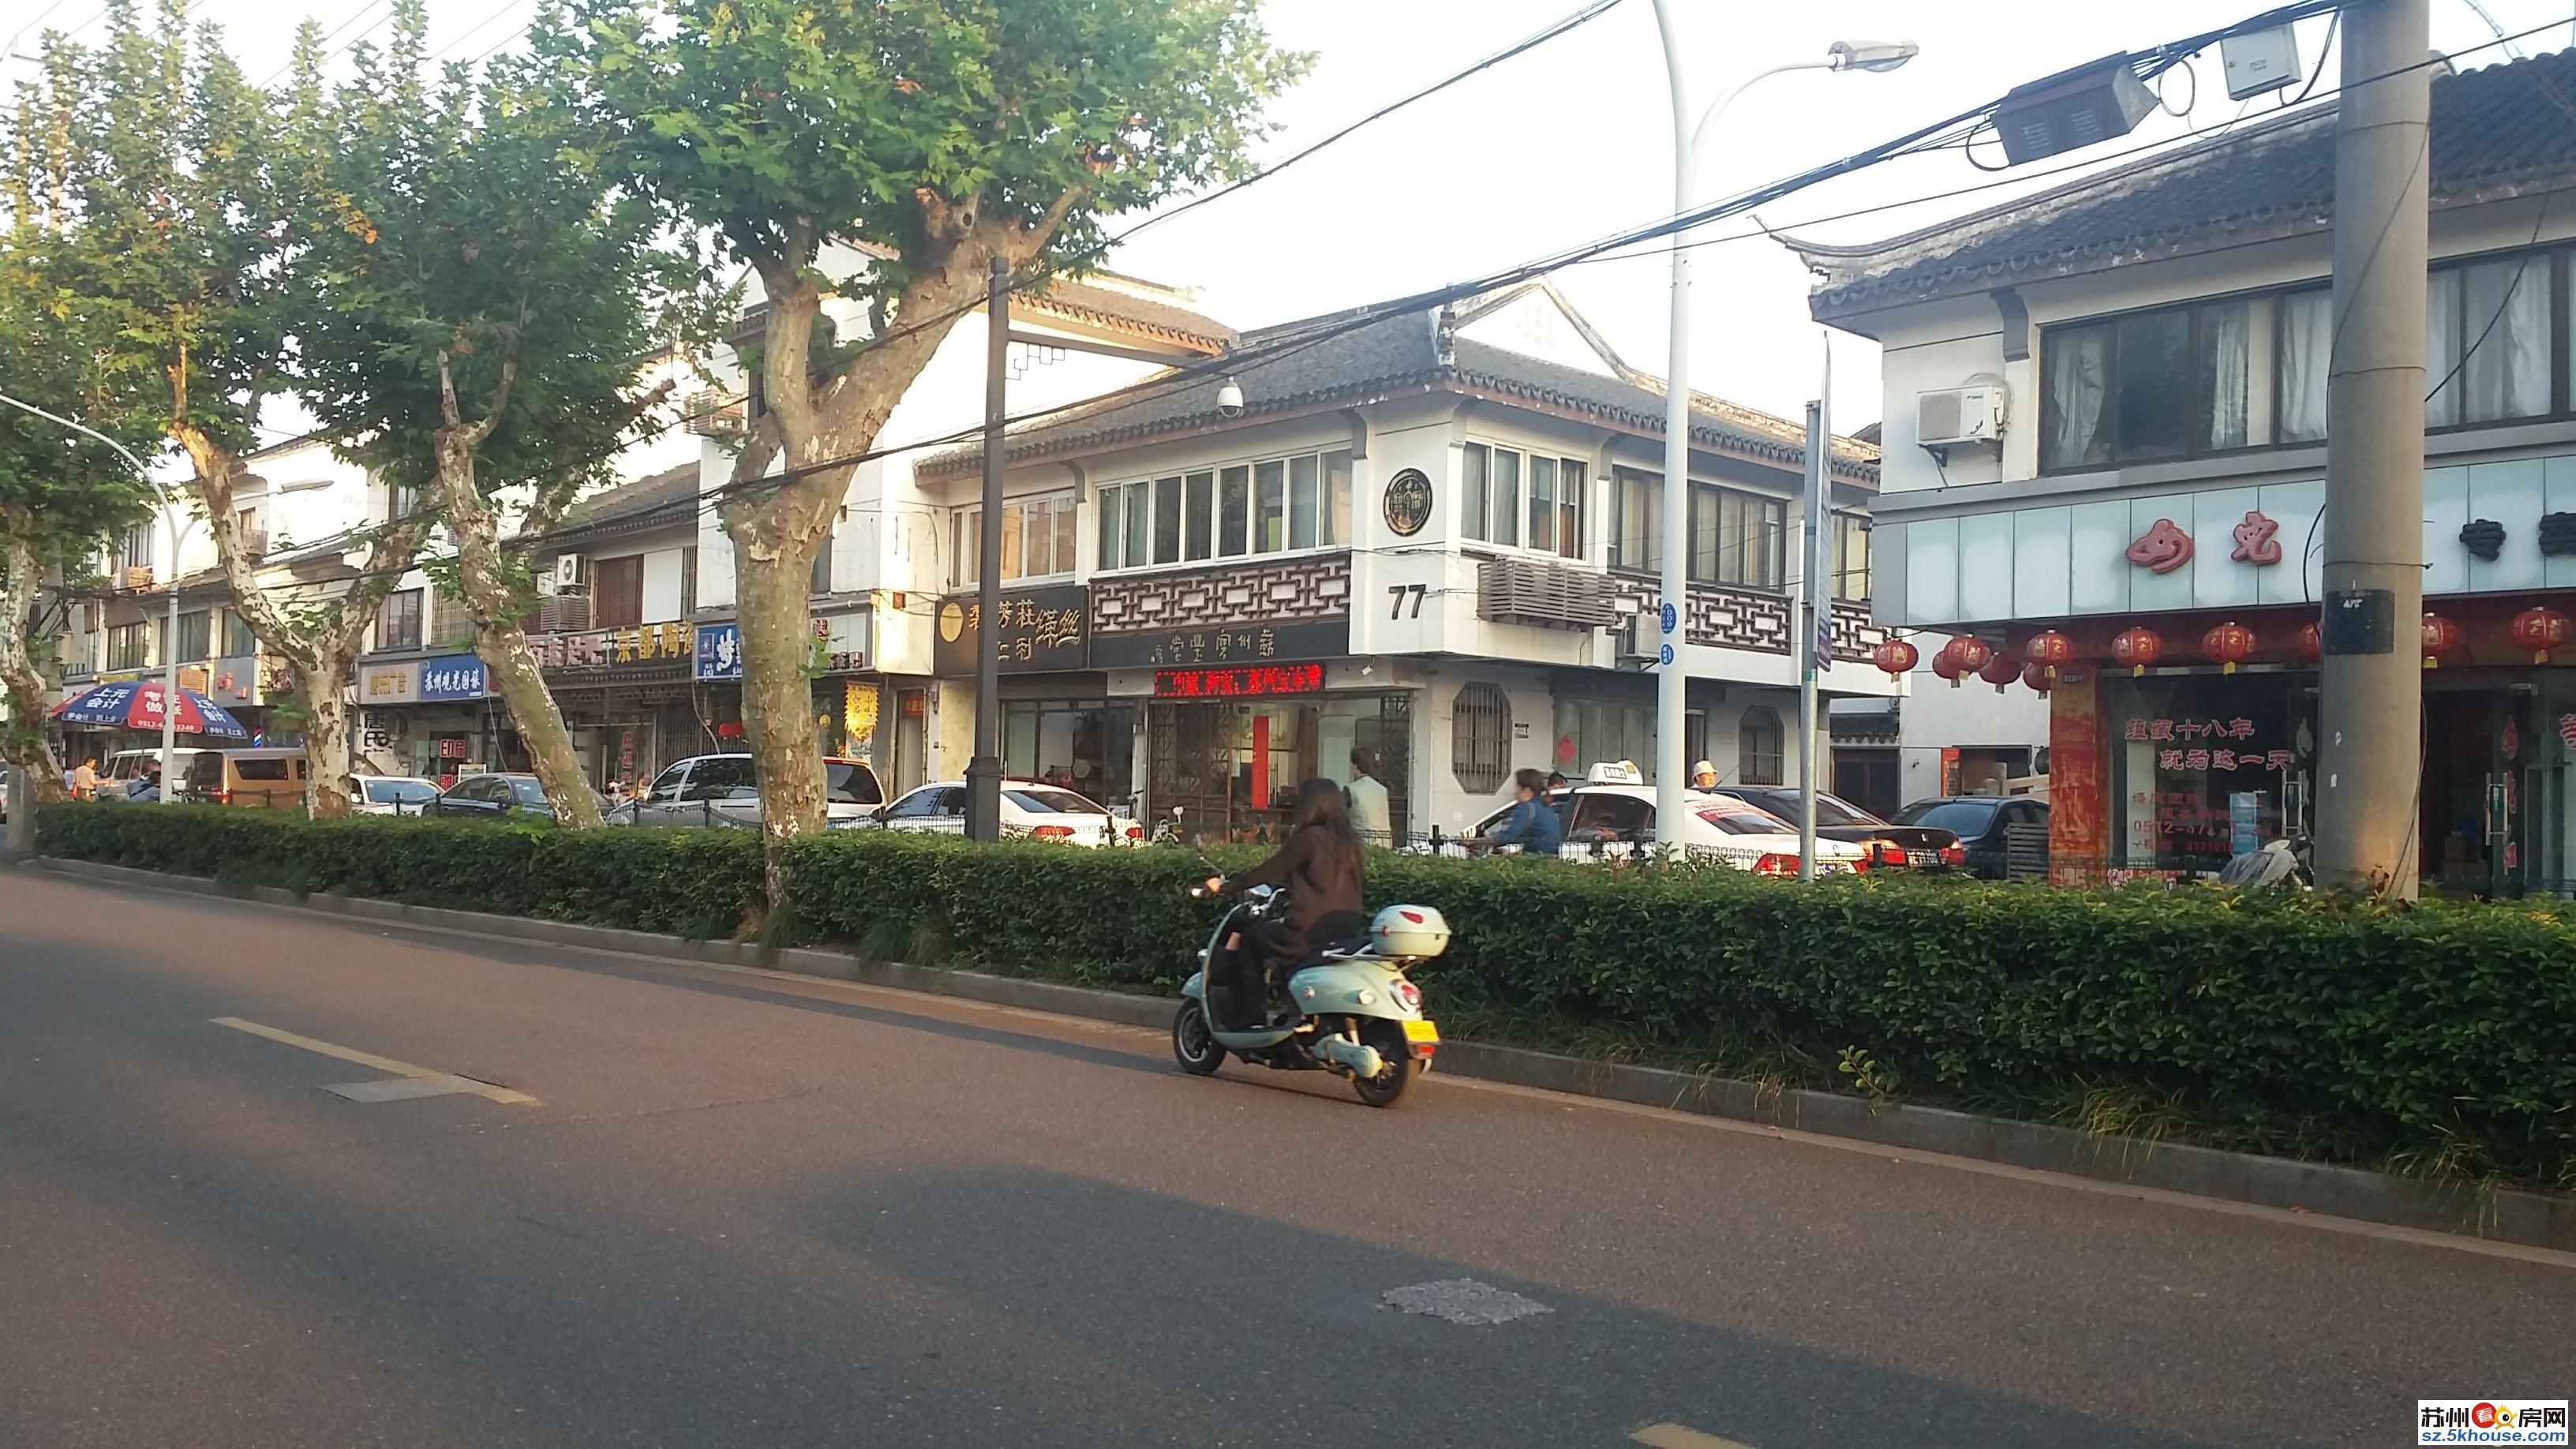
<point x="603" y="648"/>
<point x="719" y="651"/>
<point x="1234" y="683"/>
<point x="2181" y="757"/>
<point x="389" y="683"/>
<point x="455" y="676"/>
<point x="1200" y="646"/>
<point x="1032" y="629"/>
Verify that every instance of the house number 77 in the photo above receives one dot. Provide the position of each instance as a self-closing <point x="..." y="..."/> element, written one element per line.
<point x="1397" y="592"/>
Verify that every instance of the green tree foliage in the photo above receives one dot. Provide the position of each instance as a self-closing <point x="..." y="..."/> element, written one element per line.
<point x="937" y="135"/>
<point x="483" y="319"/>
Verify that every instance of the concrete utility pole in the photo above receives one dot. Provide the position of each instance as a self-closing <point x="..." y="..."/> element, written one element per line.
<point x="2369" y="756"/>
<point x="1813" y="649"/>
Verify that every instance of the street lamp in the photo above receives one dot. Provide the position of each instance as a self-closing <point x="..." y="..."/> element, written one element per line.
<point x="170" y="627"/>
<point x="1689" y="144"/>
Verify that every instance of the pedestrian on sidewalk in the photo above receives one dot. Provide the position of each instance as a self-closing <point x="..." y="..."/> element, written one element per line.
<point x="1367" y="797"/>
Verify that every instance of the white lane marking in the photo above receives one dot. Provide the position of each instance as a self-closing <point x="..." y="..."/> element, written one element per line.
<point x="1463" y="1300"/>
<point x="1675" y="1436"/>
<point x="405" y="1089"/>
<point x="382" y="1091"/>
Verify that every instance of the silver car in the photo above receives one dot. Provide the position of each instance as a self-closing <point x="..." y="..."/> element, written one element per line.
<point x="708" y="790"/>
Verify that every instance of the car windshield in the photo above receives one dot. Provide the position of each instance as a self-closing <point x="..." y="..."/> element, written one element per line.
<point x="1959" y="817"/>
<point x="400" y="792"/>
<point x="1047" y="800"/>
<point x="852" y="783"/>
<point x="1831" y="812"/>
<point x="1736" y="818"/>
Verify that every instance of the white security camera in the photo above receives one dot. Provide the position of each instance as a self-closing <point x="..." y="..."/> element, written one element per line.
<point x="1229" y="400"/>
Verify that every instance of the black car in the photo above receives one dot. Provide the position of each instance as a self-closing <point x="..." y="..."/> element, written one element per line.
<point x="493" y="797"/>
<point x="1890" y="846"/>
<point x="1980" y="822"/>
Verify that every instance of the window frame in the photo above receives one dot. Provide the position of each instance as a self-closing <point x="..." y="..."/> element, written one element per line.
<point x="1484" y="510"/>
<point x="129" y="646"/>
<point x="1227" y="506"/>
<point x="966" y="540"/>
<point x="393" y="607"/>
<point x="1476" y="755"/>
<point x="1761" y="719"/>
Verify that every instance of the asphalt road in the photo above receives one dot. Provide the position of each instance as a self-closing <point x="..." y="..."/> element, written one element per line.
<point x="754" y="1210"/>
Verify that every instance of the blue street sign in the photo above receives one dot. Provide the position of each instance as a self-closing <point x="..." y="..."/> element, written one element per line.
<point x="1672" y="619"/>
<point x="454" y="676"/>
<point x="1667" y="656"/>
<point x="719" y="651"/>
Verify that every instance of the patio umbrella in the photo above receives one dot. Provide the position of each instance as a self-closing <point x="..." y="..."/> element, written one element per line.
<point x="137" y="706"/>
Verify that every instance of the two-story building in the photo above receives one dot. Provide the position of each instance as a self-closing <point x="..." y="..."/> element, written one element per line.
<point x="2105" y="431"/>
<point x="1428" y="535"/>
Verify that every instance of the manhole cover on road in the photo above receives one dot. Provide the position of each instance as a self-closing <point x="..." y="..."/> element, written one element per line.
<point x="1464" y="1300"/>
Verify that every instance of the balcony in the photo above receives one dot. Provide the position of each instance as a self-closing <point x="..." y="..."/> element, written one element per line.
<point x="135" y="578"/>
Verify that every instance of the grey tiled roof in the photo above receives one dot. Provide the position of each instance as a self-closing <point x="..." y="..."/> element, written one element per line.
<point x="2497" y="131"/>
<point x="1396" y="354"/>
<point x="661" y="498"/>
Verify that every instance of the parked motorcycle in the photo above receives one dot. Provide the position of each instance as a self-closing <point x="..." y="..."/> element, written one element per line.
<point x="1350" y="1008"/>
<point x="2281" y="863"/>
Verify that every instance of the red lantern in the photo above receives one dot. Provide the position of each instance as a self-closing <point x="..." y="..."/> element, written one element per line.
<point x="2441" y="636"/>
<point x="2312" y="642"/>
<point x="1965" y="654"/>
<point x="1946" y="664"/>
<point x="2000" y="670"/>
<point x="2540" y="630"/>
<point x="2137" y="648"/>
<point x="2038" y="676"/>
<point x="2229" y="643"/>
<point x="1894" y="657"/>
<point x="2049" y="649"/>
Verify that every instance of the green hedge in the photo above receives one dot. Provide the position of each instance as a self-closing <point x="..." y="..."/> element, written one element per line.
<point x="697" y="883"/>
<point x="2436" y="1037"/>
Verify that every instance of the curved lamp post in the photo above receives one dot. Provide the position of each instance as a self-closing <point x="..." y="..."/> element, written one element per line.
<point x="1689" y="145"/>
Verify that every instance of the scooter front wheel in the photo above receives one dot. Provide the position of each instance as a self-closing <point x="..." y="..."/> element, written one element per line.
<point x="1396" y="1067"/>
<point x="1193" y="1043"/>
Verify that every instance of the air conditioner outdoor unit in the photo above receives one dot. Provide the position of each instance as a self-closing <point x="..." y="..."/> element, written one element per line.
<point x="1950" y="416"/>
<point x="571" y="572"/>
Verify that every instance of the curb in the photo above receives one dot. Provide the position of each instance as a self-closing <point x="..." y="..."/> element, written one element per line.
<point x="2530" y="1219"/>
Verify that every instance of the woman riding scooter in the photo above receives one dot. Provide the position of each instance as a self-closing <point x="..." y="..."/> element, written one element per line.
<point x="1320" y="867"/>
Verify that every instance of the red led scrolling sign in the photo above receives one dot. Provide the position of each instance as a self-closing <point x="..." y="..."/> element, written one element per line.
<point x="1252" y="680"/>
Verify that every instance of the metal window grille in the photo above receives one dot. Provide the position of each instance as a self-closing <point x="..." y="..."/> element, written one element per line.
<point x="1480" y="746"/>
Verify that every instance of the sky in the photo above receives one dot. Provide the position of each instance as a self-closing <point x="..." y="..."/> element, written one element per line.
<point x="1572" y="141"/>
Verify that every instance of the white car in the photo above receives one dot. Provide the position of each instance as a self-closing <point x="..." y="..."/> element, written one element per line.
<point x="1031" y="809"/>
<point x="391" y="795"/>
<point x="1611" y="821"/>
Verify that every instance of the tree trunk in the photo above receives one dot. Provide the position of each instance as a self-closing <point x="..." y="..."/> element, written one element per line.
<point x="778" y="699"/>
<point x="324" y="699"/>
<point x="483" y="585"/>
<point x="22" y="736"/>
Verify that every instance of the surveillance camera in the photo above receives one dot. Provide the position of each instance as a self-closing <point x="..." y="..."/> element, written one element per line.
<point x="1229" y="400"/>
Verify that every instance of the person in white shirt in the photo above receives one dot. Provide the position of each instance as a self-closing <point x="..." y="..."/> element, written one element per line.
<point x="1368" y="801"/>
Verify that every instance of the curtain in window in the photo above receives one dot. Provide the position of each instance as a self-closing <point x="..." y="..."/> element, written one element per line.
<point x="2505" y="306"/>
<point x="2307" y="339"/>
<point x="2223" y="334"/>
<point x="2442" y="350"/>
<point x="2077" y="385"/>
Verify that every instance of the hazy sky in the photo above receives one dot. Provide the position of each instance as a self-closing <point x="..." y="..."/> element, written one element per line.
<point x="1571" y="142"/>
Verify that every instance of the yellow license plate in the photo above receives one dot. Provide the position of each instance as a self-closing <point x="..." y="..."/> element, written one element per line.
<point x="1421" y="1032"/>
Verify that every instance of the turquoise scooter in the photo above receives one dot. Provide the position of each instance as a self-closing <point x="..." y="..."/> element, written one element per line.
<point x="1350" y="1009"/>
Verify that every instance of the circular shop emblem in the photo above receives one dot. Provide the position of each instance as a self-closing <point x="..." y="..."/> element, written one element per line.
<point x="952" y="621"/>
<point x="1408" y="502"/>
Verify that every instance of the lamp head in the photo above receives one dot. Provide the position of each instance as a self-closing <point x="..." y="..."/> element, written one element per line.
<point x="1872" y="54"/>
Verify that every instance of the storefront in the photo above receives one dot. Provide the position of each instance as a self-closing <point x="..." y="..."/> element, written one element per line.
<point x="1059" y="723"/>
<point x="1229" y="744"/>
<point x="2172" y="770"/>
<point x="627" y="699"/>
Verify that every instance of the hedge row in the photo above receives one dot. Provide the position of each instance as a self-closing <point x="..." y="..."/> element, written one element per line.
<point x="2280" y="1021"/>
<point x="696" y="883"/>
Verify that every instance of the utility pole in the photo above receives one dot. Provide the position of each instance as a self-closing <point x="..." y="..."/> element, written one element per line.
<point x="1813" y="650"/>
<point x="2369" y="757"/>
<point x="984" y="770"/>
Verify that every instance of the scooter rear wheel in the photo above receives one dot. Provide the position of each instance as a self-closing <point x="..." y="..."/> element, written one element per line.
<point x="1193" y="1044"/>
<point x="1396" y="1069"/>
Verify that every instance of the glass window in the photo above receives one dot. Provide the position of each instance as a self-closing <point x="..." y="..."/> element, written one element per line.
<point x="2151" y="365"/>
<point x="137" y="553"/>
<point x="239" y="641"/>
<point x="1759" y="747"/>
<point x="920" y="804"/>
<point x="1851" y="557"/>
<point x="1302" y="482"/>
<point x="1542" y="503"/>
<point x="1636" y="520"/>
<point x="1167" y="520"/>
<point x="1011" y="543"/>
<point x="1734" y="817"/>
<point x="1474" y="479"/>
<point x="1040" y="800"/>
<point x="1064" y="535"/>
<point x="1234" y="510"/>
<point x="966" y="544"/>
<point x="1270" y="507"/>
<point x="851" y="783"/>
<point x="2504" y="319"/>
<point x="2305" y="340"/>
<point x="1570" y="478"/>
<point x="2224" y="344"/>
<point x="1112" y="549"/>
<point x="1139" y="523"/>
<point x="1966" y="819"/>
<point x="398" y="620"/>
<point x="1507" y="497"/>
<point x="1335" y="526"/>
<point x="2079" y="382"/>
<point x="196" y="634"/>
<point x="399" y="792"/>
<point x="1480" y="738"/>
<point x="1202" y="516"/>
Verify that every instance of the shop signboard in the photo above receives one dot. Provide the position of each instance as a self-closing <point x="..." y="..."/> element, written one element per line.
<point x="233" y="681"/>
<point x="1217" y="646"/>
<point x="382" y="684"/>
<point x="609" y="649"/>
<point x="453" y="677"/>
<point x="1034" y="629"/>
<point x="1242" y="681"/>
<point x="719" y="651"/>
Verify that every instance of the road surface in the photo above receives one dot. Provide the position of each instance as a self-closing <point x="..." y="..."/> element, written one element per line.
<point x="650" y="1204"/>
